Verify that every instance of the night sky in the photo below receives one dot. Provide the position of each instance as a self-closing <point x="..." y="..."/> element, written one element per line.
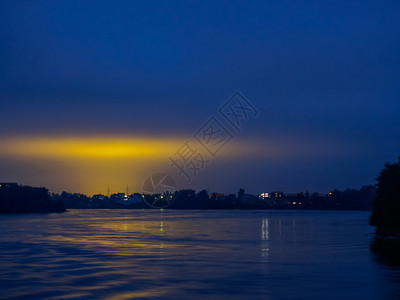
<point x="98" y="94"/>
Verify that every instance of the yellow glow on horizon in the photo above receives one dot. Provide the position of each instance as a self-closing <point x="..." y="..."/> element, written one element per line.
<point x="97" y="147"/>
<point x="90" y="165"/>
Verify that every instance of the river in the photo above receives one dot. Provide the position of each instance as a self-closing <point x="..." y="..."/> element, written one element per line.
<point x="172" y="254"/>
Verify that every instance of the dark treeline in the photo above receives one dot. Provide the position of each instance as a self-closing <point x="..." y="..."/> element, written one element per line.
<point x="386" y="211"/>
<point x="15" y="198"/>
<point x="25" y="199"/>
<point x="349" y="199"/>
<point x="386" y="216"/>
<point x="79" y="201"/>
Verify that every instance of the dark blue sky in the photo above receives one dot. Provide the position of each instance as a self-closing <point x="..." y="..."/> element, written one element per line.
<point x="324" y="76"/>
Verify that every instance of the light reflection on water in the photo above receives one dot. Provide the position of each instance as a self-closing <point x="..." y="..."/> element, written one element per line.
<point x="125" y="254"/>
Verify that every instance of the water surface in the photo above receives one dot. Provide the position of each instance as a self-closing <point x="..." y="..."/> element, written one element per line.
<point x="125" y="254"/>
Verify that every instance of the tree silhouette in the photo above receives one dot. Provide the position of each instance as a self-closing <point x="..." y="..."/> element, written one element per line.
<point x="386" y="209"/>
<point x="26" y="199"/>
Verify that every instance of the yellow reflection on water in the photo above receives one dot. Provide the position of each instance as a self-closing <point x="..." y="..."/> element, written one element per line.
<point x="141" y="294"/>
<point x="121" y="237"/>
